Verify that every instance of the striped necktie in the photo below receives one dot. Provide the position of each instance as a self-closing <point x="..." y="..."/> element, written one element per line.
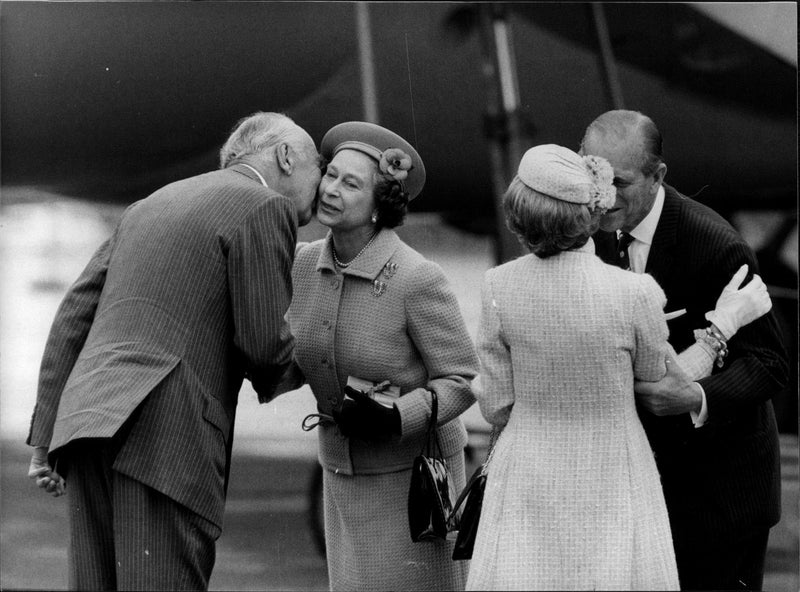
<point x="623" y="260"/>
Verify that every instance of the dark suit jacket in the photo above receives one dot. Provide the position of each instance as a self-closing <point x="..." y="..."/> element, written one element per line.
<point x="187" y="296"/>
<point x="722" y="479"/>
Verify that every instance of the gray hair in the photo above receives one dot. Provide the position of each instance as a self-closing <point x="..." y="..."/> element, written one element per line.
<point x="623" y="124"/>
<point x="258" y="133"/>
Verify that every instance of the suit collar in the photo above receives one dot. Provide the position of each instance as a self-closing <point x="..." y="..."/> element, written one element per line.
<point x="665" y="238"/>
<point x="246" y="171"/>
<point x="370" y="263"/>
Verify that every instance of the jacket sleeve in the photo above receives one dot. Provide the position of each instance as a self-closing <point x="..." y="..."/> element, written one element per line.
<point x="436" y="327"/>
<point x="260" y="282"/>
<point x="68" y="333"/>
<point x="650" y="331"/>
<point x="697" y="360"/>
<point x="757" y="364"/>
<point x="496" y="397"/>
<point x="292" y="379"/>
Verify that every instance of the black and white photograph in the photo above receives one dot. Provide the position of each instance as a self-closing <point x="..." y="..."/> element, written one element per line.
<point x="342" y="295"/>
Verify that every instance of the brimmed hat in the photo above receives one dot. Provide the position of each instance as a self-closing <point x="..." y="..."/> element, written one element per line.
<point x="562" y="174"/>
<point x="396" y="158"/>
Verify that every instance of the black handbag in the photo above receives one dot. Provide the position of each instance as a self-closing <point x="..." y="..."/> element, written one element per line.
<point x="472" y="499"/>
<point x="429" y="505"/>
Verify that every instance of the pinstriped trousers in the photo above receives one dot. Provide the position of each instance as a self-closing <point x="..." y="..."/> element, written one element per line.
<point x="125" y="535"/>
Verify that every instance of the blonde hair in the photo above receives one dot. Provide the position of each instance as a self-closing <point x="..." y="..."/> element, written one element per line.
<point x="545" y="225"/>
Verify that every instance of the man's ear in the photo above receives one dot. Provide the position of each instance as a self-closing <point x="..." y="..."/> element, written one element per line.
<point x="284" y="158"/>
<point x="658" y="176"/>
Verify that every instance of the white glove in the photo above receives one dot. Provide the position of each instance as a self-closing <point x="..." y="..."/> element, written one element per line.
<point x="736" y="308"/>
<point x="45" y="476"/>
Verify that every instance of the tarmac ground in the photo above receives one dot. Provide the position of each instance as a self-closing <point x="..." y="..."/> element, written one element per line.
<point x="267" y="542"/>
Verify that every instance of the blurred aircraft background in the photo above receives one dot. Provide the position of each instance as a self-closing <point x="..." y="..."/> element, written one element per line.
<point x="107" y="101"/>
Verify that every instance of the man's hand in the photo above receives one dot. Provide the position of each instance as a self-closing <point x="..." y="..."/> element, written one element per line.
<point x="674" y="394"/>
<point x="46" y="478"/>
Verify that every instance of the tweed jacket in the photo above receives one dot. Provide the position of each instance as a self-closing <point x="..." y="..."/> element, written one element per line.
<point x="724" y="477"/>
<point x="390" y="315"/>
<point x="187" y="296"/>
<point x="573" y="499"/>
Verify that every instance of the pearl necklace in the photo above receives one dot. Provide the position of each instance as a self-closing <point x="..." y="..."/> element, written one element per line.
<point x="364" y="248"/>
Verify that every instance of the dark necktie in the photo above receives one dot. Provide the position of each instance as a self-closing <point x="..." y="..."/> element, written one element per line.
<point x="623" y="260"/>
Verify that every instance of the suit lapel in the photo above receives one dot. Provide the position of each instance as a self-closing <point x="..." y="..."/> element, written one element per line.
<point x="605" y="246"/>
<point x="372" y="262"/>
<point x="661" y="258"/>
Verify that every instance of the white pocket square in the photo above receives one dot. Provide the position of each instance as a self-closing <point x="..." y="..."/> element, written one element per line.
<point x="674" y="314"/>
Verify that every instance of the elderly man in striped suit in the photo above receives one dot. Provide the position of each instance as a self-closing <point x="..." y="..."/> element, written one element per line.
<point x="715" y="440"/>
<point x="141" y="372"/>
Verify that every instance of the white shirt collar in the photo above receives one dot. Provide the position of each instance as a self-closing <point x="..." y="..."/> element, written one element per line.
<point x="260" y="178"/>
<point x="646" y="229"/>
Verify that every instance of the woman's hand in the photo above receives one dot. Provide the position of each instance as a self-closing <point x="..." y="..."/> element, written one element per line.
<point x="738" y="307"/>
<point x="363" y="418"/>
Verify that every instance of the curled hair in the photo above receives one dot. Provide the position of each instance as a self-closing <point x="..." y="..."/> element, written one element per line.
<point x="390" y="201"/>
<point x="257" y="133"/>
<point x="547" y="226"/>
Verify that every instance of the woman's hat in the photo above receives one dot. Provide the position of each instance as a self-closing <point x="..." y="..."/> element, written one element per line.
<point x="396" y="158"/>
<point x="562" y="174"/>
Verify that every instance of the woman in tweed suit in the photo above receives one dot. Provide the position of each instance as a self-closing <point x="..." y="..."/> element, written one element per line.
<point x="573" y="498"/>
<point x="369" y="309"/>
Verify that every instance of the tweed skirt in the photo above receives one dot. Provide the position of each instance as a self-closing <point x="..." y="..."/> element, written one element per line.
<point x="367" y="536"/>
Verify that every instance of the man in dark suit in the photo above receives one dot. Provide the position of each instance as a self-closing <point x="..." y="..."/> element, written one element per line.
<point x="715" y="440"/>
<point x="141" y="372"/>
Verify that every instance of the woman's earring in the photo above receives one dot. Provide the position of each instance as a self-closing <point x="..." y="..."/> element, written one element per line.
<point x="374" y="217"/>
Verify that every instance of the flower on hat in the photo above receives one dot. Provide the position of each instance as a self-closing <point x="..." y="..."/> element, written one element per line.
<point x="395" y="163"/>
<point x="603" y="194"/>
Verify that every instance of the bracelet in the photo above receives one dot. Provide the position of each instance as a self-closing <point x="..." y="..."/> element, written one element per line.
<point x="717" y="341"/>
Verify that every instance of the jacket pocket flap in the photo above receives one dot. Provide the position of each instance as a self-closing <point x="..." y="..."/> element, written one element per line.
<point x="214" y="413"/>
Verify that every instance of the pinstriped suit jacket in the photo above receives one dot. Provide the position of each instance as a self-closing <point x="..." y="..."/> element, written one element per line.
<point x="723" y="478"/>
<point x="187" y="296"/>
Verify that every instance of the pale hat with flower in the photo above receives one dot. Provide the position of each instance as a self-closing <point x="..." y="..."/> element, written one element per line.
<point x="562" y="174"/>
<point x="396" y="158"/>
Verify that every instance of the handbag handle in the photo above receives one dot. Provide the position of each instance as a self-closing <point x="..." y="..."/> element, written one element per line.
<point x="480" y="472"/>
<point x="431" y="444"/>
<point x="464" y="493"/>
<point x="490" y="452"/>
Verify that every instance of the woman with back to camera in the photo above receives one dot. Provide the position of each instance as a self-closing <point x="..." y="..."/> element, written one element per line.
<point x="573" y="498"/>
<point x="367" y="310"/>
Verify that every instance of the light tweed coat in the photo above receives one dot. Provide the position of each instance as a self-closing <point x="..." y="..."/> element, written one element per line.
<point x="407" y="330"/>
<point x="573" y="498"/>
